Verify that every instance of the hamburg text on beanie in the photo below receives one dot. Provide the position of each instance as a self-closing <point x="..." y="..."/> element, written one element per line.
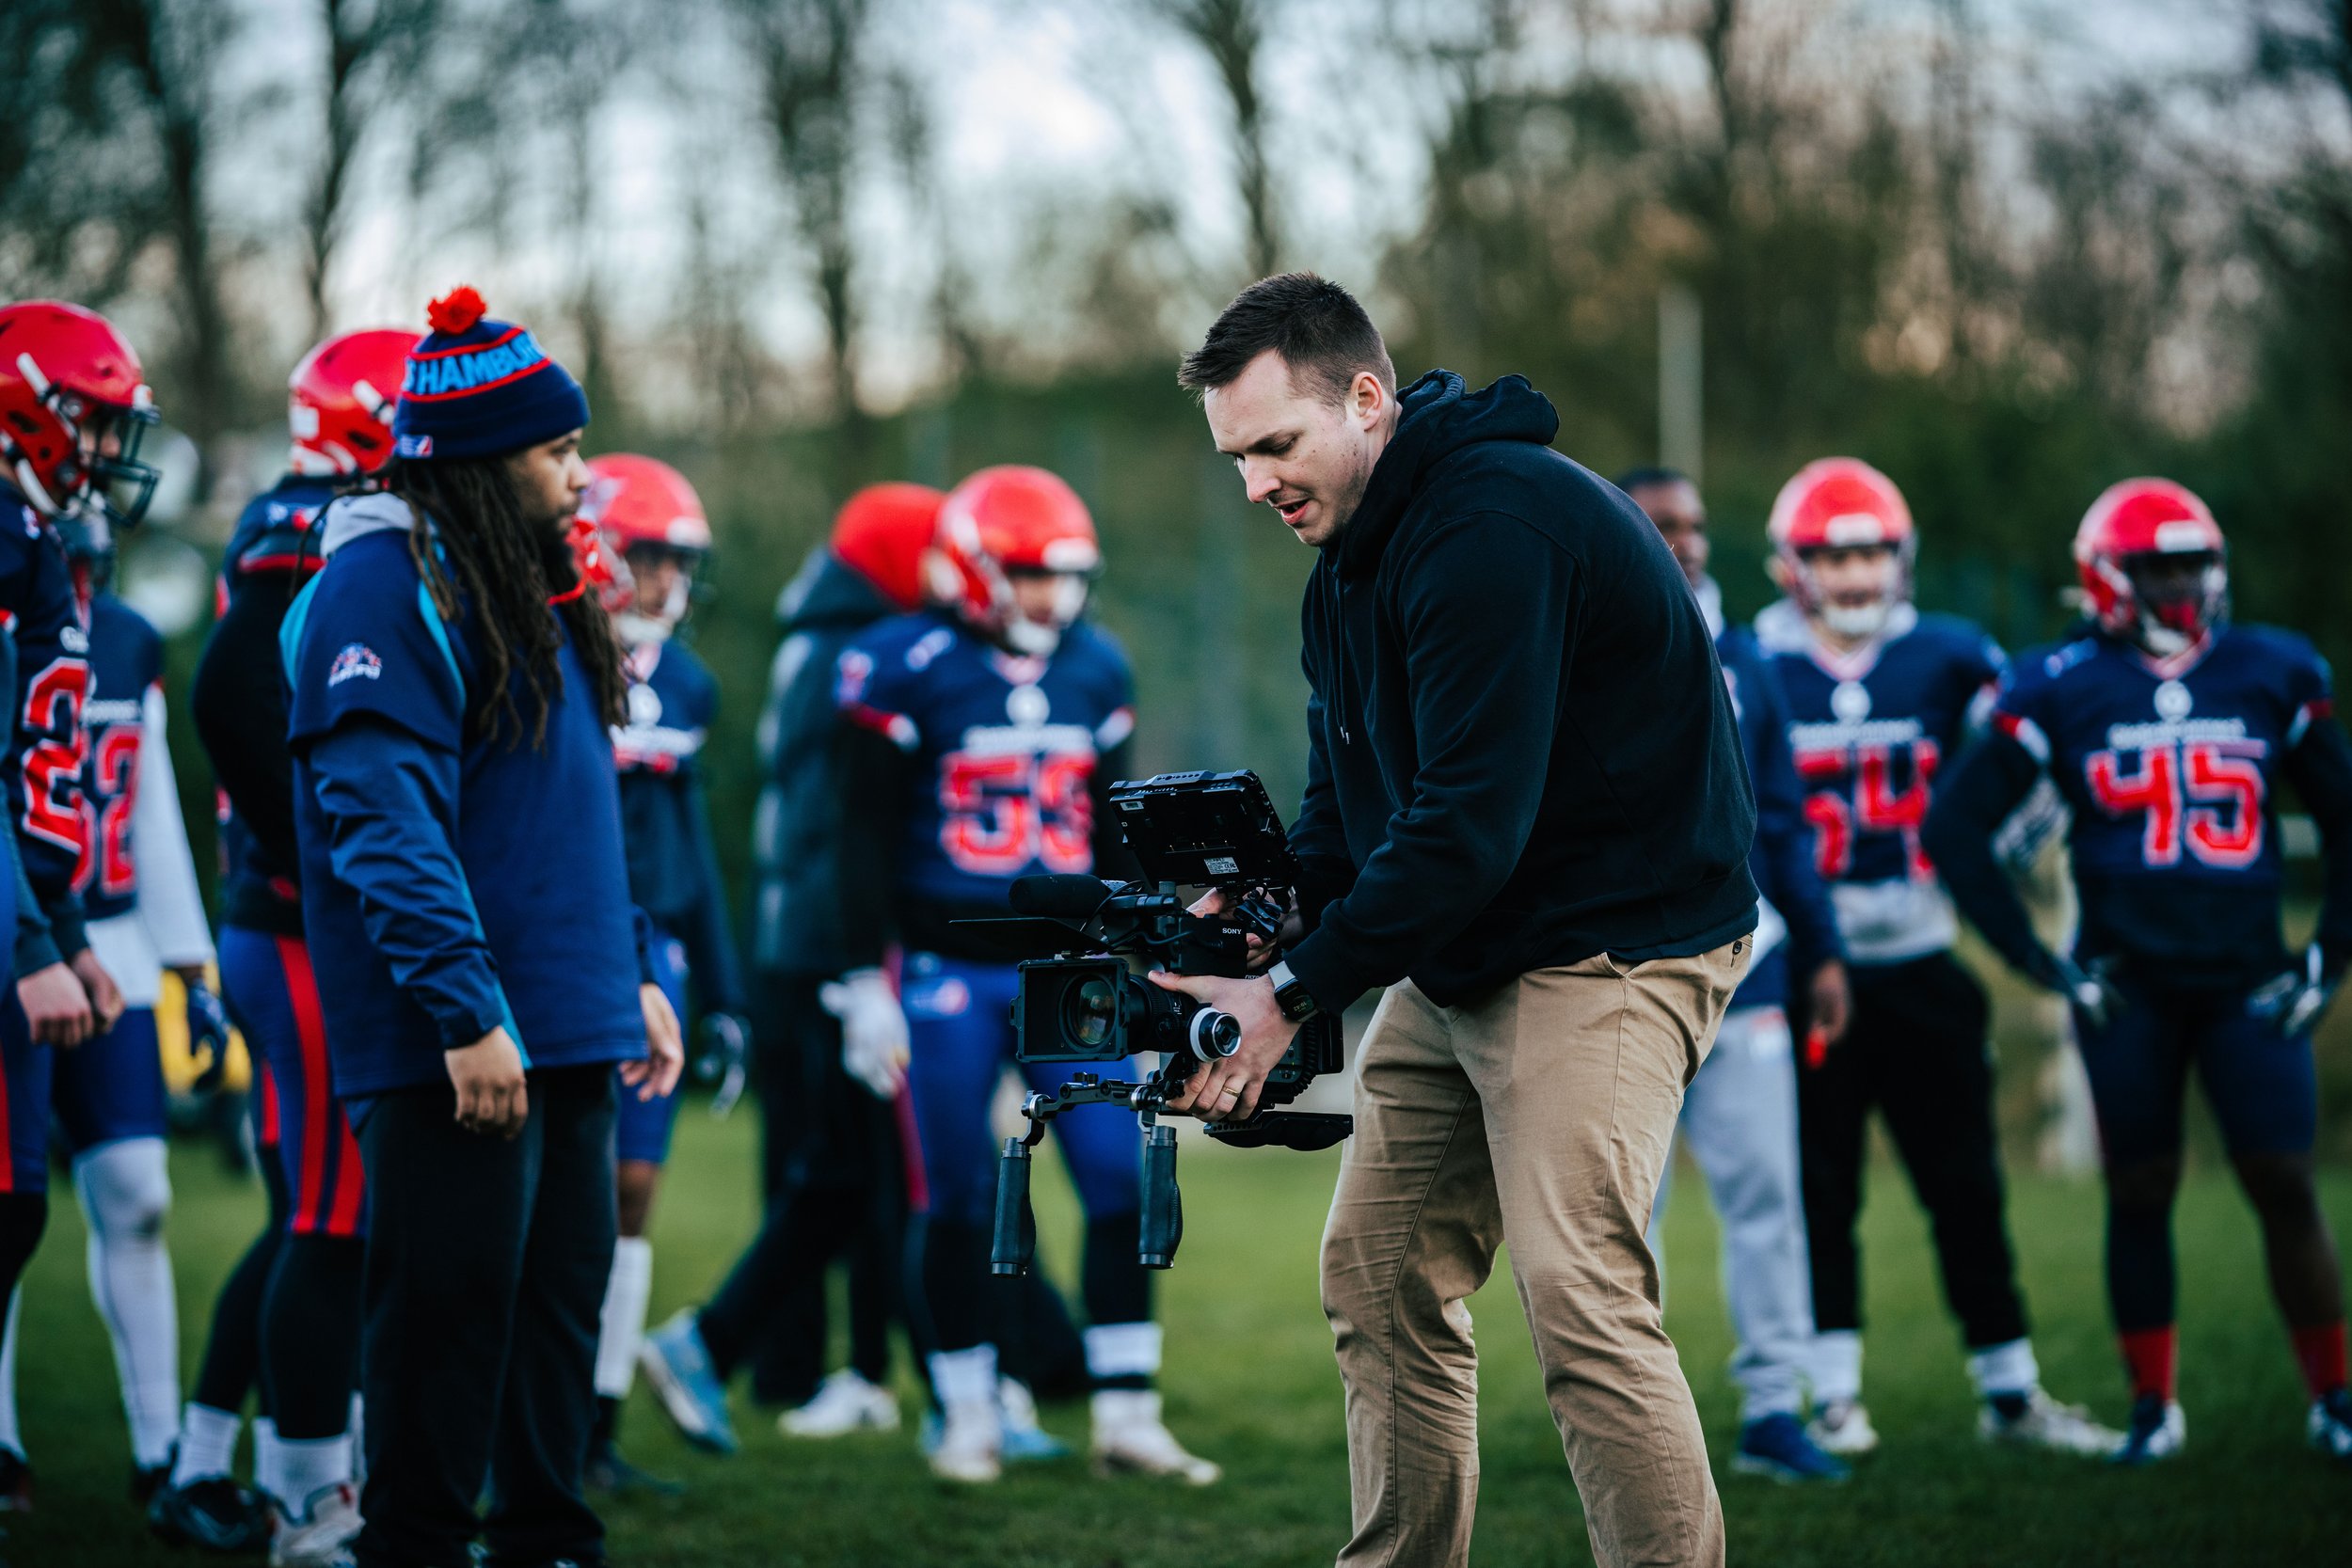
<point x="477" y="387"/>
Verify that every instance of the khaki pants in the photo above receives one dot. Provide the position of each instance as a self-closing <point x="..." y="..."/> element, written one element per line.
<point x="1542" y="1116"/>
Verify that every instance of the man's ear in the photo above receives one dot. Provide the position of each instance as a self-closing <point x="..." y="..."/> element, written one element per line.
<point x="1367" y="399"/>
<point x="1778" y="569"/>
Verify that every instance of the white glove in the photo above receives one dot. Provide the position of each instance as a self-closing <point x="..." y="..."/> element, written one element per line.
<point x="873" y="1030"/>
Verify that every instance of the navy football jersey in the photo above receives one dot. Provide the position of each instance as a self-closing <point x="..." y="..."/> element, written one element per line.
<point x="673" y="869"/>
<point x="1004" y="746"/>
<point x="2172" y="770"/>
<point x="126" y="657"/>
<point x="1867" y="732"/>
<point x="240" y="682"/>
<point x="41" y="613"/>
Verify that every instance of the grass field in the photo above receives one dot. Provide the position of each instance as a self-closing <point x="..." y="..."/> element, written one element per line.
<point x="1251" y="1384"/>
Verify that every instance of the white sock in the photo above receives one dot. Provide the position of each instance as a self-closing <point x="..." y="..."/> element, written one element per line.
<point x="11" y="1437"/>
<point x="628" y="1292"/>
<point x="1122" y="1350"/>
<point x="2008" y="1368"/>
<point x="269" y="1459"/>
<point x="964" y="1377"/>
<point x="125" y="1190"/>
<point x="208" y="1443"/>
<point x="1837" y="1366"/>
<point x="305" y="1467"/>
<point x="358" y="1440"/>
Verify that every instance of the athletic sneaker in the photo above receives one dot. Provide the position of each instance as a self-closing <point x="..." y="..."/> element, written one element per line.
<point x="1776" y="1447"/>
<point x="322" y="1537"/>
<point x="844" y="1402"/>
<point x="1129" y="1437"/>
<point x="212" y="1514"/>
<point x="2037" y="1421"/>
<point x="1842" y="1426"/>
<point x="677" y="1365"/>
<point x="16" y="1483"/>
<point x="2158" y="1430"/>
<point x="2329" y="1427"/>
<point x="1026" y="1442"/>
<point x="971" y="1443"/>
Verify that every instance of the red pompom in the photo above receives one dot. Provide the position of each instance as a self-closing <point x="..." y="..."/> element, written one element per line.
<point x="457" y="310"/>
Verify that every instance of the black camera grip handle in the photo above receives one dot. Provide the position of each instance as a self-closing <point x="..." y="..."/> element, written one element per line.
<point x="1015" y="1240"/>
<point x="1163" y="1205"/>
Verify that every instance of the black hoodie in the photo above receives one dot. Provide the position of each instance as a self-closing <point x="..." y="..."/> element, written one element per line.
<point x="797" y="897"/>
<point x="1521" y="749"/>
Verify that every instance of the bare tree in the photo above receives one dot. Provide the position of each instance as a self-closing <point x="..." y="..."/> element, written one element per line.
<point x="374" y="52"/>
<point x="807" y="55"/>
<point x="1232" y="34"/>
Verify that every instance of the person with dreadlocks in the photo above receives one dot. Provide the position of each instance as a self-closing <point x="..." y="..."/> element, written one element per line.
<point x="480" y="966"/>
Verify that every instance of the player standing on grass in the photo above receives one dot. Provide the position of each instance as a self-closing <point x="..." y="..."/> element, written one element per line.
<point x="654" y="536"/>
<point x="1740" y="1114"/>
<point x="307" y="1314"/>
<point x="834" y="1166"/>
<point x="143" y="914"/>
<point x="74" y="407"/>
<point x="1879" y="694"/>
<point x="978" y="742"/>
<point x="465" y="905"/>
<point x="2168" y="731"/>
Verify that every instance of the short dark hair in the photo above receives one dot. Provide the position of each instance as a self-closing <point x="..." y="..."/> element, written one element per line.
<point x="1323" y="335"/>
<point x="1639" y="479"/>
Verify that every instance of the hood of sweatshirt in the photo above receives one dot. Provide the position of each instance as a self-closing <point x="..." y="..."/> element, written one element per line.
<point x="828" y="591"/>
<point x="1439" y="416"/>
<point x="348" y="518"/>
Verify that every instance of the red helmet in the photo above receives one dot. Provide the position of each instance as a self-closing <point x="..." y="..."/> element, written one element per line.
<point x="2128" y="528"/>
<point x="68" y="383"/>
<point x="883" y="532"/>
<point x="1840" y="503"/>
<point x="339" y="402"/>
<point x="1013" y="520"/>
<point x="643" y="503"/>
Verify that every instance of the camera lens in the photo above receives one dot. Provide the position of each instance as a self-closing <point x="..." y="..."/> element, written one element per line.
<point x="1090" y="1011"/>
<point x="1215" y="1034"/>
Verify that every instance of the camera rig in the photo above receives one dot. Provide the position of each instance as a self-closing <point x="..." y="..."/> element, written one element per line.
<point x="1082" y="941"/>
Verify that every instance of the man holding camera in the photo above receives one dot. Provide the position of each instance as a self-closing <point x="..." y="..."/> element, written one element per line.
<point x="1527" y="817"/>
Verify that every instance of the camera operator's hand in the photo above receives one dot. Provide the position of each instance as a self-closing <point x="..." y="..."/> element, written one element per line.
<point x="873" y="1030"/>
<point x="1214" y="905"/>
<point x="1228" y="1090"/>
<point x="492" y="1094"/>
<point x="656" y="1074"/>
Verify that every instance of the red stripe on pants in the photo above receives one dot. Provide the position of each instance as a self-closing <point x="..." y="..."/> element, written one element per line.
<point x="350" y="1181"/>
<point x="302" y="992"/>
<point x="7" y="1145"/>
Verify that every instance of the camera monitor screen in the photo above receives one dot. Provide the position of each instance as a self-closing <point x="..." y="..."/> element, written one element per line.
<point x="1203" y="830"/>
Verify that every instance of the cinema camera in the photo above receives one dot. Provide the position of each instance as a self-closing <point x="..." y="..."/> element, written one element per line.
<point x="1083" y="943"/>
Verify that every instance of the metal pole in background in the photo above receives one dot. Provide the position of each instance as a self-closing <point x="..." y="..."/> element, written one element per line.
<point x="1680" y="432"/>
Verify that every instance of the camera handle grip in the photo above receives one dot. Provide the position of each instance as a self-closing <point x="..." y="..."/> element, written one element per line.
<point x="1015" y="1239"/>
<point x="1163" y="1205"/>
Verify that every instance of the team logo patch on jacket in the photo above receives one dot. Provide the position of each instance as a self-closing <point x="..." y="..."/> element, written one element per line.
<point x="355" y="661"/>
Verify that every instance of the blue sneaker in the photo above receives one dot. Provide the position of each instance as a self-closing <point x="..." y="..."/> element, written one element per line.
<point x="1776" y="1446"/>
<point x="1025" y="1441"/>
<point x="677" y="1365"/>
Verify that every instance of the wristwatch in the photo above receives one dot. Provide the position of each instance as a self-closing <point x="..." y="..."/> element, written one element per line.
<point x="1290" y="995"/>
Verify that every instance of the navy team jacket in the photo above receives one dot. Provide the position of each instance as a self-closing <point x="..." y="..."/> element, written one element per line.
<point x="452" y="881"/>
